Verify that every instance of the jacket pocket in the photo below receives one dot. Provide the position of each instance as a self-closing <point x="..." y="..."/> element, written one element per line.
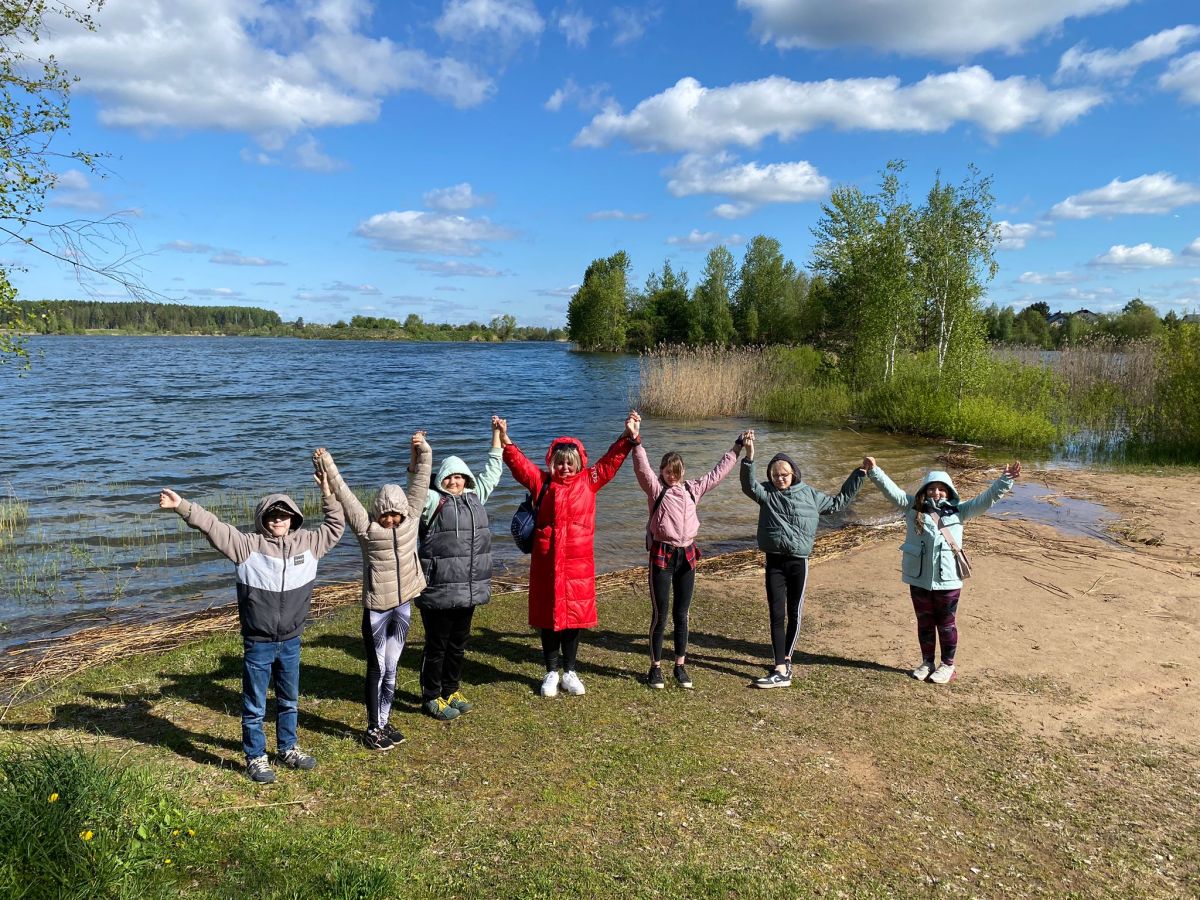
<point x="912" y="559"/>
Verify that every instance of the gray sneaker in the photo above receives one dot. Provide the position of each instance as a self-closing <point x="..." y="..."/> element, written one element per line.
<point x="295" y="758"/>
<point x="259" y="771"/>
<point x="775" y="679"/>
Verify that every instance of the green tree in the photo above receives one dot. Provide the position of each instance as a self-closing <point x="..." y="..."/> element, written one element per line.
<point x="712" y="316"/>
<point x="765" y="287"/>
<point x="596" y="315"/>
<point x="504" y="326"/>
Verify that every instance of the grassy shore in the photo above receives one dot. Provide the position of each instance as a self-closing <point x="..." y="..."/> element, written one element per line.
<point x="856" y="782"/>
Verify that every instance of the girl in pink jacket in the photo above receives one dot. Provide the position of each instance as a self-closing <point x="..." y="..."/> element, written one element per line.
<point x="671" y="539"/>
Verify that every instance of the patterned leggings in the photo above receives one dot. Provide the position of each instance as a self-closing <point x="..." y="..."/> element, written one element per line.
<point x="935" y="619"/>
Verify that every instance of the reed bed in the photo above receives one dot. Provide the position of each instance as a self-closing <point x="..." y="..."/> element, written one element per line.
<point x="14" y="514"/>
<point x="701" y="382"/>
<point x="1097" y="365"/>
<point x="42" y="664"/>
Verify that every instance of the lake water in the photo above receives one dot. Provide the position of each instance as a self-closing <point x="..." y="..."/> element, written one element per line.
<point x="102" y="423"/>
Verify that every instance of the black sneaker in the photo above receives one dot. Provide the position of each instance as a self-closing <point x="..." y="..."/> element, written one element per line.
<point x="682" y="678"/>
<point x="375" y="739"/>
<point x="654" y="679"/>
<point x="392" y="733"/>
<point x="296" y="758"/>
<point x="259" y="771"/>
<point x="775" y="679"/>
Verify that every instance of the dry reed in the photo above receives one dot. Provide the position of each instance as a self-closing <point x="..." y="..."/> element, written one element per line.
<point x="701" y="382"/>
<point x="1132" y="366"/>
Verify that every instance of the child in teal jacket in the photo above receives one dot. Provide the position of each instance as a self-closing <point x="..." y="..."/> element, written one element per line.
<point x="927" y="564"/>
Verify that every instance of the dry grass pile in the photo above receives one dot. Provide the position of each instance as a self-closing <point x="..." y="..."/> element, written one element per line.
<point x="701" y="382"/>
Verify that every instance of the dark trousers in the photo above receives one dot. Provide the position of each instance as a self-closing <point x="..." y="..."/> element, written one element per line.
<point x="446" y="634"/>
<point x="265" y="663"/>
<point x="786" y="580"/>
<point x="936" y="612"/>
<point x="566" y="641"/>
<point x="682" y="577"/>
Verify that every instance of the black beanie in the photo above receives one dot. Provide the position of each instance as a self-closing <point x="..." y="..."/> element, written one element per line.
<point x="783" y="457"/>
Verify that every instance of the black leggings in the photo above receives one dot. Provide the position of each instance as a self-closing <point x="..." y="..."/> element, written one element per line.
<point x="446" y="634"/>
<point x="553" y="641"/>
<point x="786" y="578"/>
<point x="682" y="577"/>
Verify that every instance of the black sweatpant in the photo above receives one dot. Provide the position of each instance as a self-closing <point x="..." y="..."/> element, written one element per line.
<point x="786" y="578"/>
<point x="446" y="634"/>
<point x="682" y="577"/>
<point x="553" y="641"/>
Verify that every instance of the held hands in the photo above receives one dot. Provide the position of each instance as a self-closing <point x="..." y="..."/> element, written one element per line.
<point x="1013" y="469"/>
<point x="500" y="427"/>
<point x="868" y="463"/>
<point x="419" y="442"/>
<point x="168" y="499"/>
<point x="633" y="425"/>
<point x="748" y="442"/>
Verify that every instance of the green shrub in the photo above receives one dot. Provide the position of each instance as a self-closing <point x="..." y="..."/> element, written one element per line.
<point x="1171" y="431"/>
<point x="74" y="825"/>
<point x="829" y="404"/>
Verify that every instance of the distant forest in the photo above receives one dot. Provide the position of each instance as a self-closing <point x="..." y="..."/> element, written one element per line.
<point x="130" y="317"/>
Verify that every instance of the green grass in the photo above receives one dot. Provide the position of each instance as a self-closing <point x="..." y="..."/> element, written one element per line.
<point x="856" y="782"/>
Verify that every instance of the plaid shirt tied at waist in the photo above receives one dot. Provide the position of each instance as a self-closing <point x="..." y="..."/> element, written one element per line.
<point x="660" y="554"/>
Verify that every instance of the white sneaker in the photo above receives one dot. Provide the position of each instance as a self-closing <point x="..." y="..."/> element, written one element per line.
<point x="944" y="674"/>
<point x="923" y="671"/>
<point x="572" y="684"/>
<point x="550" y="685"/>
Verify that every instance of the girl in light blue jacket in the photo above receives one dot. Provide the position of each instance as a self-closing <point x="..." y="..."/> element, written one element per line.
<point x="935" y="516"/>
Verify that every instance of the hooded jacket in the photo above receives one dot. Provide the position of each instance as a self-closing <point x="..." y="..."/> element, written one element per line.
<point x="456" y="541"/>
<point x="676" y="521"/>
<point x="275" y="575"/>
<point x="927" y="560"/>
<point x="391" y="572"/>
<point x="787" y="519"/>
<point x="562" y="568"/>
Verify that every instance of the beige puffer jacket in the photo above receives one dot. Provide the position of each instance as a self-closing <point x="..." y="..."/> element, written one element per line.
<point x="391" y="571"/>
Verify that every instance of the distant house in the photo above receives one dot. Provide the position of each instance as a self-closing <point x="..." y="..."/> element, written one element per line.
<point x="1059" y="318"/>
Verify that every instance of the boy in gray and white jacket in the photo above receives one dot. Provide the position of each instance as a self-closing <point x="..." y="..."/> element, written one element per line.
<point x="276" y="568"/>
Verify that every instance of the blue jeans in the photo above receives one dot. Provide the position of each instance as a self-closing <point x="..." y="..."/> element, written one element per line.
<point x="264" y="662"/>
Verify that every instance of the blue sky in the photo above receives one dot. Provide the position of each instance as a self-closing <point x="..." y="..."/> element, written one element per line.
<point x="465" y="158"/>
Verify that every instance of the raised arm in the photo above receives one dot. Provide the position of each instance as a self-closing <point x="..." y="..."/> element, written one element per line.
<point x="647" y="478"/>
<point x="352" y="509"/>
<point x="724" y="466"/>
<point x="611" y="461"/>
<point x="333" y="524"/>
<point x="486" y="481"/>
<point x="887" y="487"/>
<point x="850" y="488"/>
<point x="525" y="472"/>
<point x="419" y="469"/>
<point x="982" y="502"/>
<point x="225" y="539"/>
<point x="750" y="486"/>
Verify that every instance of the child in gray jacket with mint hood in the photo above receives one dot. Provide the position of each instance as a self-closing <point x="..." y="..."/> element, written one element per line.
<point x="788" y="513"/>
<point x="276" y="568"/>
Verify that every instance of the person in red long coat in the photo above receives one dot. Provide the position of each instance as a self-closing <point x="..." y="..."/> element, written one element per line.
<point x="562" y="569"/>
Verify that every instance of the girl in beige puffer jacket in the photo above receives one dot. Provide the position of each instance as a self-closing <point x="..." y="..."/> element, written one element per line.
<point x="392" y="577"/>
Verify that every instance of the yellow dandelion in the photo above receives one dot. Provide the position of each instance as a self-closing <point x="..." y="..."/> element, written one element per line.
<point x="53" y="798"/>
<point x="175" y="833"/>
<point x="191" y="832"/>
<point x="86" y="835"/>
<point x="167" y="861"/>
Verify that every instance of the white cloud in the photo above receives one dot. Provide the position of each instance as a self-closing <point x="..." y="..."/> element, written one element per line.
<point x="586" y="98"/>
<point x="749" y="183"/>
<point x="629" y="23"/>
<point x="1120" y="64"/>
<point x="456" y="269"/>
<point x="1047" y="278"/>
<point x="224" y="293"/>
<point x="430" y="232"/>
<point x="508" y="21"/>
<point x="1141" y="256"/>
<point x="575" y="26"/>
<point x="1183" y="75"/>
<point x="1145" y="195"/>
<point x="690" y="117"/>
<point x="188" y="247"/>
<point x="702" y="240"/>
<point x="74" y="190"/>
<point x="233" y="258"/>
<point x="568" y="291"/>
<point x="366" y="289"/>
<point x="1015" y="235"/>
<point x="1192" y="249"/>
<point x="947" y="29"/>
<point x="616" y="215"/>
<point x="733" y="210"/>
<point x="309" y="156"/>
<point x="314" y="297"/>
<point x="234" y="65"/>
<point x="455" y="198"/>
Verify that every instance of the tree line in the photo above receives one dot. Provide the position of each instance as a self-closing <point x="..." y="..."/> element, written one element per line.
<point x="130" y="317"/>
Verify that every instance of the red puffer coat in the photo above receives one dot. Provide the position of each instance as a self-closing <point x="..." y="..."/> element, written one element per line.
<point x="562" y="570"/>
